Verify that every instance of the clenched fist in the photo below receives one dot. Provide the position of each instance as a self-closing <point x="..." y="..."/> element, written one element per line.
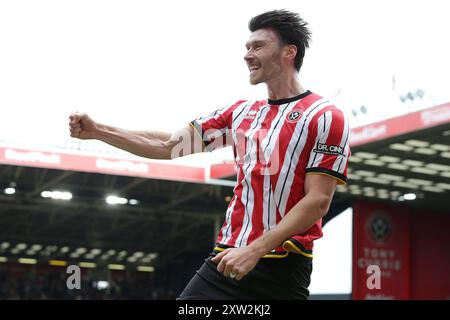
<point x="82" y="126"/>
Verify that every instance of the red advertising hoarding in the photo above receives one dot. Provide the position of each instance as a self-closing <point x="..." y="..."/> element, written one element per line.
<point x="60" y="160"/>
<point x="400" y="125"/>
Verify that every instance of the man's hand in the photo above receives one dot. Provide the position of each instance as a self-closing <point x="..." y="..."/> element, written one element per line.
<point x="82" y="126"/>
<point x="238" y="261"/>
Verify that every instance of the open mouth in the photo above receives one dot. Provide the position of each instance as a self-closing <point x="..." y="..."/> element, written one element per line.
<point x="254" y="68"/>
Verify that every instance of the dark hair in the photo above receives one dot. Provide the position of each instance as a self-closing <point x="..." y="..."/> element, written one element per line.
<point x="291" y="29"/>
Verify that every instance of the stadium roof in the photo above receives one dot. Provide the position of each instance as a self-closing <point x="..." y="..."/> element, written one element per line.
<point x="405" y="155"/>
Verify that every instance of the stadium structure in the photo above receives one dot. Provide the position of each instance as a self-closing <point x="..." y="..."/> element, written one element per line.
<point x="138" y="229"/>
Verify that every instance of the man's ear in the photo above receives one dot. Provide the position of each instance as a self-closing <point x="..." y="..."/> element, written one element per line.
<point x="290" y="51"/>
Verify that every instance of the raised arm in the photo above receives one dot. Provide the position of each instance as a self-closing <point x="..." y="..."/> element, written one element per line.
<point x="148" y="144"/>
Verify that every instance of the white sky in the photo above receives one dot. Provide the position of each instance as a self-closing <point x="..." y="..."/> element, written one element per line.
<point x="159" y="64"/>
<point x="332" y="265"/>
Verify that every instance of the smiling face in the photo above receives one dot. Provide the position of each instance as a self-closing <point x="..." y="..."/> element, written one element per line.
<point x="263" y="56"/>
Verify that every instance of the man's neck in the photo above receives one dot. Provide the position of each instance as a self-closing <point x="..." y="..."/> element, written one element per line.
<point x="285" y="87"/>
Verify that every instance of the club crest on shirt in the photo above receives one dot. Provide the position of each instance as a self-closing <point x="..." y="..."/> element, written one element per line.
<point x="294" y="116"/>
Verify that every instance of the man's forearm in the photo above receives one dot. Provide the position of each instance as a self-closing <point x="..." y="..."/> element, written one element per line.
<point x="298" y="220"/>
<point x="145" y="144"/>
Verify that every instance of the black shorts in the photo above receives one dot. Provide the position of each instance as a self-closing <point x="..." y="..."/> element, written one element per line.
<point x="272" y="278"/>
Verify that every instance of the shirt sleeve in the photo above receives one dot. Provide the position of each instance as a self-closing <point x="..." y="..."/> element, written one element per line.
<point x="214" y="129"/>
<point x="331" y="148"/>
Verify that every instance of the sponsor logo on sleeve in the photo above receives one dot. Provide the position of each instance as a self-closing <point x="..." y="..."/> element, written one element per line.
<point x="329" y="149"/>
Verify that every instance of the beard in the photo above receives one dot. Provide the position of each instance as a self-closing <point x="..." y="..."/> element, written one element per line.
<point x="267" y="70"/>
<point x="256" y="79"/>
<point x="259" y="76"/>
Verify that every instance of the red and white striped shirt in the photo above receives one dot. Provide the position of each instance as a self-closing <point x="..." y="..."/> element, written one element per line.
<point x="275" y="144"/>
